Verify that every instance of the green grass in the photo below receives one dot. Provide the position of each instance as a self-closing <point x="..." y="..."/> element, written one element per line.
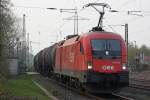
<point x="23" y="86"/>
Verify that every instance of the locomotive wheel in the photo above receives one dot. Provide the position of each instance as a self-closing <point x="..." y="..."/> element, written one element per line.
<point x="77" y="84"/>
<point x="82" y="87"/>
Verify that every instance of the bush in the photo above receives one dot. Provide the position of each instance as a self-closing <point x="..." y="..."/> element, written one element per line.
<point x="4" y="70"/>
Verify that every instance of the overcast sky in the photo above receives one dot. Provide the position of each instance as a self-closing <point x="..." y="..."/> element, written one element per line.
<point x="46" y="26"/>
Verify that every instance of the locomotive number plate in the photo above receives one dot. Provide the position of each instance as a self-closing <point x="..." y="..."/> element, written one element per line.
<point x="107" y="67"/>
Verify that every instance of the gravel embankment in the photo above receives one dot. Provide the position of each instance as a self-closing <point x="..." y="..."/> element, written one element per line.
<point x="58" y="91"/>
<point x="63" y="93"/>
<point x="136" y="94"/>
<point x="145" y="75"/>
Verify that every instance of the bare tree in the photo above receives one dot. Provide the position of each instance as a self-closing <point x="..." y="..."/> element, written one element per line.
<point x="8" y="31"/>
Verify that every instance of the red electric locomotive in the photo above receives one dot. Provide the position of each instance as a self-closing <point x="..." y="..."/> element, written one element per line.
<point x="93" y="60"/>
<point x="96" y="60"/>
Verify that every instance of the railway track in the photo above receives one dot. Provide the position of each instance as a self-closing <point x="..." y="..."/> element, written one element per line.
<point x="140" y="80"/>
<point x="115" y="96"/>
<point x="134" y="85"/>
<point x="122" y="97"/>
<point x="140" y="84"/>
<point x="77" y="90"/>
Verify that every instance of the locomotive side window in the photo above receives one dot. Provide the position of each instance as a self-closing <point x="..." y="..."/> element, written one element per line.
<point x="81" y="48"/>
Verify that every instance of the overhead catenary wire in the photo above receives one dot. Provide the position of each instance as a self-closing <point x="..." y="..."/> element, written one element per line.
<point x="30" y="7"/>
<point x="131" y="12"/>
<point x="33" y="7"/>
<point x="137" y="18"/>
<point x="112" y="28"/>
<point x="53" y="8"/>
<point x="80" y="10"/>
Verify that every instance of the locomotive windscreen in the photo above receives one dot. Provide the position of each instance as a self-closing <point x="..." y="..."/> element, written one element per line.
<point x="106" y="48"/>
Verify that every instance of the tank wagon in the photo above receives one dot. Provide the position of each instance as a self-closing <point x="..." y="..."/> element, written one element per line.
<point x="44" y="61"/>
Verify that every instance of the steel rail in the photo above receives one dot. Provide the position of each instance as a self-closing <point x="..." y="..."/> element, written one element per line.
<point x="143" y="87"/>
<point x="122" y="97"/>
<point x="139" y="80"/>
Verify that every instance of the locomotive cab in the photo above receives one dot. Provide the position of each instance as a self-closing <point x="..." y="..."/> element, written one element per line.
<point x="105" y="54"/>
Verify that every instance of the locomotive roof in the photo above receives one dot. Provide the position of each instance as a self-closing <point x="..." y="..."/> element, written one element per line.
<point x="101" y="33"/>
<point x="94" y="35"/>
<point x="71" y="40"/>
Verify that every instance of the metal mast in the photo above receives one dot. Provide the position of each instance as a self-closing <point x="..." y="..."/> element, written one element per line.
<point x="75" y="18"/>
<point x="24" y="40"/>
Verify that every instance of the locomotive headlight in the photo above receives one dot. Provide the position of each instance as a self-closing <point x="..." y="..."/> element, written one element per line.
<point x="89" y="65"/>
<point x="124" y="66"/>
